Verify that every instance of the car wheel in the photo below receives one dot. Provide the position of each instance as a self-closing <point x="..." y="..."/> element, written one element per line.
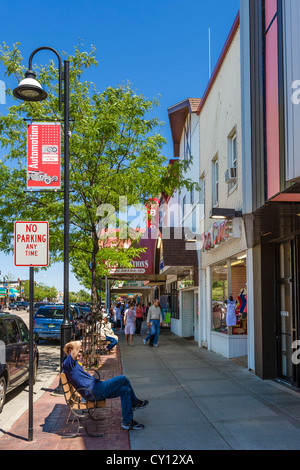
<point x="47" y="180"/>
<point x="2" y="392"/>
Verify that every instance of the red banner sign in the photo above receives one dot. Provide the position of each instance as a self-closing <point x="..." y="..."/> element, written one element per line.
<point x="43" y="155"/>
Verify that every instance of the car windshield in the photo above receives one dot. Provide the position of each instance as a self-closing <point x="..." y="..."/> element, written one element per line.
<point x="51" y="312"/>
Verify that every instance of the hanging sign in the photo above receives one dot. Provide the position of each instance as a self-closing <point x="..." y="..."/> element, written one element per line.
<point x="31" y="244"/>
<point x="43" y="155"/>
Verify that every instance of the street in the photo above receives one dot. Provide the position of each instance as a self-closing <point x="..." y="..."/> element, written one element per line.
<point x="17" y="400"/>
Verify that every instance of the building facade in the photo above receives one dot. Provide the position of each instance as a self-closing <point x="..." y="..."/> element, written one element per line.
<point x="271" y="174"/>
<point x="224" y="322"/>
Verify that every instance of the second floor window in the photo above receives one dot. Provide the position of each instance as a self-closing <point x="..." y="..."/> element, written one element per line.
<point x="215" y="181"/>
<point x="187" y="139"/>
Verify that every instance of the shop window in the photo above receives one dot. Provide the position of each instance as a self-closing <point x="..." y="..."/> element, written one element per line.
<point x="174" y="303"/>
<point x="229" y="297"/>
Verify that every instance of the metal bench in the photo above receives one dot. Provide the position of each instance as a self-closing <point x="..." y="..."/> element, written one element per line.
<point x="81" y="409"/>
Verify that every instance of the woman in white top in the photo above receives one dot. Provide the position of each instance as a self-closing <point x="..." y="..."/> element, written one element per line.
<point x="129" y="321"/>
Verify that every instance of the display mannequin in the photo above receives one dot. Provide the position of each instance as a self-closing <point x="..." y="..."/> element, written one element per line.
<point x="230" y="314"/>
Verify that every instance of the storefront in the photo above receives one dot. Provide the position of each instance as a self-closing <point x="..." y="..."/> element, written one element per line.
<point x="180" y="266"/>
<point x="224" y="287"/>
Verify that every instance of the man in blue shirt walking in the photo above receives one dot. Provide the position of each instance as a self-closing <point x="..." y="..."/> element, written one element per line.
<point x="96" y="389"/>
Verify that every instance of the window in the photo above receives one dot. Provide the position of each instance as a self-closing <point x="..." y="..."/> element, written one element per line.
<point x="3" y="336"/>
<point x="24" y="331"/>
<point x="232" y="160"/>
<point x="12" y="331"/>
<point x="187" y="139"/>
<point x="215" y="181"/>
<point x="192" y="196"/>
<point x="202" y="195"/>
<point x="183" y="206"/>
<point x="174" y="301"/>
<point x="194" y="220"/>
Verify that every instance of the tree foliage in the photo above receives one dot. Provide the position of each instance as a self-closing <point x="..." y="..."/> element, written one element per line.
<point x="115" y="150"/>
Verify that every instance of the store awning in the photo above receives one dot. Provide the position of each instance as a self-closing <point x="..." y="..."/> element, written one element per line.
<point x="13" y="293"/>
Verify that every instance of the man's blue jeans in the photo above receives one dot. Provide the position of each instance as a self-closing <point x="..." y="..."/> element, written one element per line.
<point x="117" y="387"/>
<point x="113" y="342"/>
<point x="156" y="326"/>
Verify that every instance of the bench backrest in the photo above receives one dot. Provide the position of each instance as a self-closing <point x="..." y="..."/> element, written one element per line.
<point x="70" y="393"/>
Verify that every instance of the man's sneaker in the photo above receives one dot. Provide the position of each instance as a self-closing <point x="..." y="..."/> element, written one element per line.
<point x="155" y="345"/>
<point x="140" y="405"/>
<point x="133" y="425"/>
<point x="144" y="341"/>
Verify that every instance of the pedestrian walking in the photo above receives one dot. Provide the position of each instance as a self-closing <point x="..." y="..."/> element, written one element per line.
<point x="154" y="322"/>
<point x="129" y="320"/>
<point x="139" y="319"/>
<point x="118" y="315"/>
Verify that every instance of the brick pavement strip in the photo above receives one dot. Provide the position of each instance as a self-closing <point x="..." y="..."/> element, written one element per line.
<point x="50" y="414"/>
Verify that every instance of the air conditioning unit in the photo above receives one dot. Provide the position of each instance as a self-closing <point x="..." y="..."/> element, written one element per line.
<point x="230" y="175"/>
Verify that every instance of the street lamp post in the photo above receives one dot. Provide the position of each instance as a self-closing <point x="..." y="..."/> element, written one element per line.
<point x="30" y="89"/>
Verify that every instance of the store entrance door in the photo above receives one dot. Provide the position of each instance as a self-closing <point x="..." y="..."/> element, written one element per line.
<point x="286" y="321"/>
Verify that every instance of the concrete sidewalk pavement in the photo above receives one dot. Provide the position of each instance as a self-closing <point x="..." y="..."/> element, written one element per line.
<point x="198" y="400"/>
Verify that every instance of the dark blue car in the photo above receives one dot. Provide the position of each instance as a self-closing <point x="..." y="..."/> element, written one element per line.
<point x="48" y="319"/>
<point x="14" y="354"/>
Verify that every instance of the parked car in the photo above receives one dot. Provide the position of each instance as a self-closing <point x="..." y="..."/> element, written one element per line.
<point x="14" y="354"/>
<point x="18" y="305"/>
<point x="37" y="305"/>
<point x="48" y="319"/>
<point x="87" y="314"/>
<point x="12" y="306"/>
<point x="23" y="304"/>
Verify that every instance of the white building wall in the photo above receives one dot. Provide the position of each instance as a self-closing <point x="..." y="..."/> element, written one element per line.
<point x="221" y="114"/>
<point x="220" y="117"/>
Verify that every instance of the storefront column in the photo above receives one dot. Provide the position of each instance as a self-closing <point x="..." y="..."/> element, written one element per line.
<point x="229" y="288"/>
<point x="250" y="309"/>
<point x="208" y="305"/>
<point x="264" y="311"/>
<point x="202" y="309"/>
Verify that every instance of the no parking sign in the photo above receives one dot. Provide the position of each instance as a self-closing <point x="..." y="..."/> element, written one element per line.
<point x="31" y="244"/>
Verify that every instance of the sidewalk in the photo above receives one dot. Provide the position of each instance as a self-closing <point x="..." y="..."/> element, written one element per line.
<point x="198" y="400"/>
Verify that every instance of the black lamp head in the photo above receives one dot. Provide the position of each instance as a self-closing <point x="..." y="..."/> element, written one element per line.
<point x="29" y="89"/>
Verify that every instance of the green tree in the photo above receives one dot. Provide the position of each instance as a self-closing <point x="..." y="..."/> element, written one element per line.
<point x="115" y="150"/>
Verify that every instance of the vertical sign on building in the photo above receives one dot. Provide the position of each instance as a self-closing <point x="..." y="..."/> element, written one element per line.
<point x="43" y="155"/>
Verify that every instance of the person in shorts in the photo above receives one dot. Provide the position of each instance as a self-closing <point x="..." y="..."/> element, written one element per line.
<point x="129" y="320"/>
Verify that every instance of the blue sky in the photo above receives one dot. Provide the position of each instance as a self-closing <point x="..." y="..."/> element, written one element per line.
<point x="160" y="46"/>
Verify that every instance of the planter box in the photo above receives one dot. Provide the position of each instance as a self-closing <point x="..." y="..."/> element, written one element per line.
<point x="229" y="345"/>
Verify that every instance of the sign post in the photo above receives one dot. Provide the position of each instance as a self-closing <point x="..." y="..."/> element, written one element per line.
<point x="31" y="249"/>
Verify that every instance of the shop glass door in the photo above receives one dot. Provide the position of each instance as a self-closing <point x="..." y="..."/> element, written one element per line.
<point x="286" y="321"/>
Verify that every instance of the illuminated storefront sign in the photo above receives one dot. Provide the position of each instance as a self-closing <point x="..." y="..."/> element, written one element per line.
<point x="218" y="234"/>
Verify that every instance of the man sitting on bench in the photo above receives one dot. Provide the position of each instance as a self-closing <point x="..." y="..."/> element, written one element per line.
<point x="107" y="332"/>
<point x="112" y="388"/>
